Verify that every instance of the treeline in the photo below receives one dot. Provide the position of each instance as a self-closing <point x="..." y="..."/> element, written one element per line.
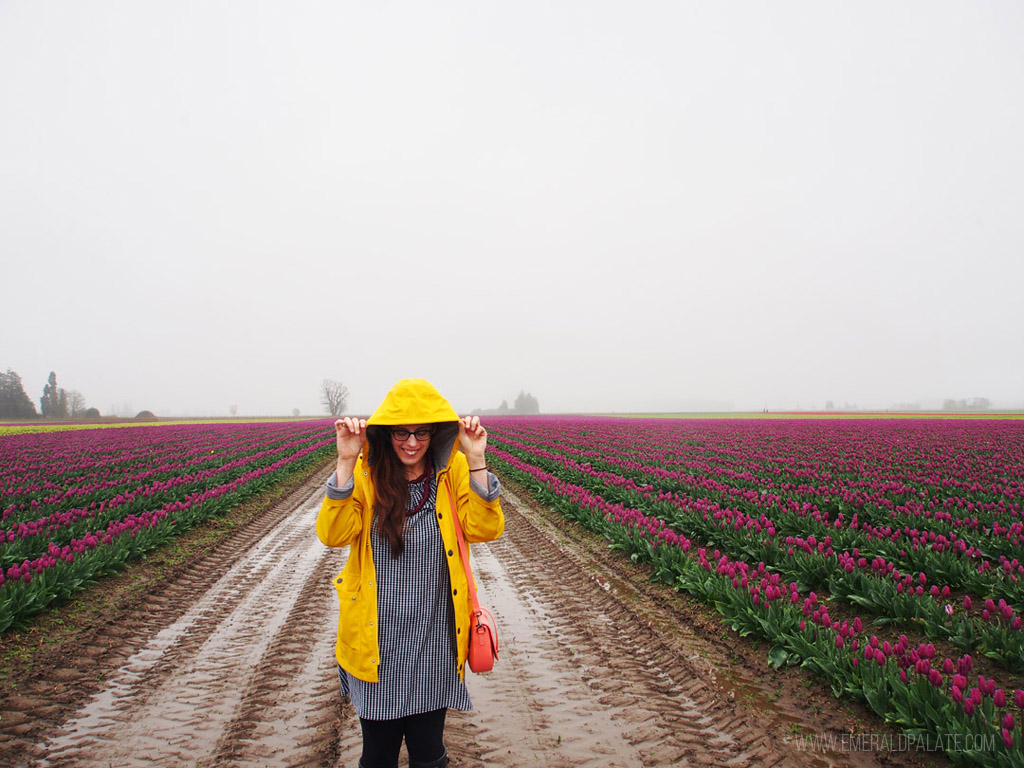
<point x="963" y="404"/>
<point x="524" y="403"/>
<point x="55" y="403"/>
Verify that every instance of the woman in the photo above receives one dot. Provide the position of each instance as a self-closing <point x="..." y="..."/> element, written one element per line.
<point x="404" y="618"/>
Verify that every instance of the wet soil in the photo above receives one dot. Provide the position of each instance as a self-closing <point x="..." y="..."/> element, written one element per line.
<point x="229" y="662"/>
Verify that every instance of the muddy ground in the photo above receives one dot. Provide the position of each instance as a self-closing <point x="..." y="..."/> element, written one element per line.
<point x="229" y="663"/>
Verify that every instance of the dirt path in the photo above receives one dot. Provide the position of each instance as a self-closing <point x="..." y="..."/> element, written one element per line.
<point x="240" y="678"/>
<point x="576" y="686"/>
<point x="232" y="665"/>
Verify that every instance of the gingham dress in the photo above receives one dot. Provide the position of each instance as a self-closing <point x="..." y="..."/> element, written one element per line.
<point x="418" y="665"/>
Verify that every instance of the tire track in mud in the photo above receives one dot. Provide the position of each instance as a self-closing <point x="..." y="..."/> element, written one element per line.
<point x="232" y="664"/>
<point x="241" y="678"/>
<point x="580" y="680"/>
<point x="288" y="716"/>
<point x="600" y="668"/>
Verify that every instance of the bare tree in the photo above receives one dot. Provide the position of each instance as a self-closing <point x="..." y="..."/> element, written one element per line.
<point x="76" y="404"/>
<point x="335" y="397"/>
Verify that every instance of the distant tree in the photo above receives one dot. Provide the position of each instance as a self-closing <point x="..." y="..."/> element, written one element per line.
<point x="14" y="402"/>
<point x="75" y="404"/>
<point x="233" y="410"/>
<point x="145" y="416"/>
<point x="295" y="412"/>
<point x="54" y="402"/>
<point x="91" y="413"/>
<point x="830" y="406"/>
<point x="963" y="404"/>
<point x="334" y="397"/>
<point x="48" y="402"/>
<point x="526" y="403"/>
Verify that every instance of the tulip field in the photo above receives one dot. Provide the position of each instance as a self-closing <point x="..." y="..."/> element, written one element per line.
<point x="81" y="503"/>
<point x="884" y="555"/>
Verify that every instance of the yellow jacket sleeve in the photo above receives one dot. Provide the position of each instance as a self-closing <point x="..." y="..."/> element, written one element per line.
<point x="340" y="520"/>
<point x="481" y="520"/>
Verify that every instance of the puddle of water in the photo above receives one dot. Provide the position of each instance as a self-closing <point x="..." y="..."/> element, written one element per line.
<point x="760" y="696"/>
<point x="556" y="706"/>
<point x="190" y="708"/>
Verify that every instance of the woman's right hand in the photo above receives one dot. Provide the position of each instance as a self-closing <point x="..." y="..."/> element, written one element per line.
<point x="350" y="436"/>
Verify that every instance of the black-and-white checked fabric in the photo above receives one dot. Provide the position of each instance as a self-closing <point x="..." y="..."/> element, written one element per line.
<point x="418" y="662"/>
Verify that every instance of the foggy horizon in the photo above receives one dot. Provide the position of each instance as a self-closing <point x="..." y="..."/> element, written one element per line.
<point x="662" y="208"/>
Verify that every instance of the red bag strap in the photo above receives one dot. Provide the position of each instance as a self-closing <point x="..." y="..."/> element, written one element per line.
<point x="463" y="552"/>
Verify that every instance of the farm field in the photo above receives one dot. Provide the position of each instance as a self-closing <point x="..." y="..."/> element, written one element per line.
<point x="825" y="415"/>
<point x="76" y="505"/>
<point x="34" y="425"/>
<point x="223" y="656"/>
<point x="882" y="555"/>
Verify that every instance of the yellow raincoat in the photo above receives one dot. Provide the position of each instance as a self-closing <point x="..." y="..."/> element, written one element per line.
<point x="344" y="522"/>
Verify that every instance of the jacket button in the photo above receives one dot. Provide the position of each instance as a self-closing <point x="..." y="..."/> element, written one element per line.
<point x="439" y="515"/>
<point x="371" y="623"/>
<point x="449" y="555"/>
<point x="459" y="630"/>
<point x="353" y="597"/>
<point x="455" y="591"/>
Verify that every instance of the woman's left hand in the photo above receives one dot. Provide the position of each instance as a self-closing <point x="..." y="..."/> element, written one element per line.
<point x="472" y="437"/>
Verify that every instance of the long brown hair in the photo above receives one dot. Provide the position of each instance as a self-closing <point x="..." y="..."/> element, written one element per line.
<point x="391" y="489"/>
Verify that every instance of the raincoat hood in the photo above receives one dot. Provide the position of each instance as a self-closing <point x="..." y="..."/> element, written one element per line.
<point x="412" y="401"/>
<point x="415" y="401"/>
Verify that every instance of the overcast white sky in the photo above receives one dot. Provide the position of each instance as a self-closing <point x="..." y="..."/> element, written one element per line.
<point x="614" y="206"/>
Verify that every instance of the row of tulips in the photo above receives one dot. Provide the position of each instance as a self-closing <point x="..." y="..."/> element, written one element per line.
<point x="818" y="567"/>
<point x="136" y="492"/>
<point x="57" y="471"/>
<point x="903" y="681"/>
<point x="103" y="499"/>
<point x="835" y="466"/>
<point x="868" y="504"/>
<point x="869" y="581"/>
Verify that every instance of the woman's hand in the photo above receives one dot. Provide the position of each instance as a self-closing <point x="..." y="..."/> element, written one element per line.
<point x="473" y="440"/>
<point x="349" y="436"/>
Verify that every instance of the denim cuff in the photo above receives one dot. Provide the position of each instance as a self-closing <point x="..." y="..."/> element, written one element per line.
<point x="493" y="489"/>
<point x="336" y="493"/>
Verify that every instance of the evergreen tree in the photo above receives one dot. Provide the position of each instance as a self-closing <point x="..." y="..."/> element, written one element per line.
<point x="14" y="402"/>
<point x="54" y="402"/>
<point x="526" y="403"/>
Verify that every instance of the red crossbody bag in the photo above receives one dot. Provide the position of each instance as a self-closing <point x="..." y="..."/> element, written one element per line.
<point x="483" y="632"/>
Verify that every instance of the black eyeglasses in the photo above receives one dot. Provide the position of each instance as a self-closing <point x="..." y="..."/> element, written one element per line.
<point x="401" y="435"/>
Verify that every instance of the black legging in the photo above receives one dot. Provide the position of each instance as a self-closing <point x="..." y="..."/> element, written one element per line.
<point x="424" y="740"/>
